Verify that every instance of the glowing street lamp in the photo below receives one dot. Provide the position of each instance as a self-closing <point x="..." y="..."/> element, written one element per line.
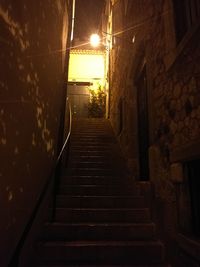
<point x="94" y="40"/>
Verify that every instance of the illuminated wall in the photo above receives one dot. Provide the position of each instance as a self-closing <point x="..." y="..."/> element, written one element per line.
<point x="87" y="66"/>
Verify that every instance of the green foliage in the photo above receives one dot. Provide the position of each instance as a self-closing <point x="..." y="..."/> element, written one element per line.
<point x="97" y="104"/>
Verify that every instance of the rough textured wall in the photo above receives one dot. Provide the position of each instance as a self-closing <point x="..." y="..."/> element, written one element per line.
<point x="176" y="109"/>
<point x="175" y="91"/>
<point x="33" y="36"/>
<point x="173" y="98"/>
<point x="126" y="57"/>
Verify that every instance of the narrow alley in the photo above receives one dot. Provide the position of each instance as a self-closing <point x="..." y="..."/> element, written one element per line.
<point x="99" y="133"/>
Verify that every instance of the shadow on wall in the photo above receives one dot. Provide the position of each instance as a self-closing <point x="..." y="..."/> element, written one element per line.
<point x="31" y="91"/>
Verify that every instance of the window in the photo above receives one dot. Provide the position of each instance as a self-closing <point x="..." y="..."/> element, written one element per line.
<point x="182" y="21"/>
<point x="186" y="15"/>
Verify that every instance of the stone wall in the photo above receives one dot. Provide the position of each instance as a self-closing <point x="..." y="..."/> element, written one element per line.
<point x="173" y="80"/>
<point x="33" y="39"/>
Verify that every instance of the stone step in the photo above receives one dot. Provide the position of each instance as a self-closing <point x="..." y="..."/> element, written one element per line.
<point x="93" y="138"/>
<point x="82" y="126"/>
<point x="91" y="158"/>
<point x="129" y="215"/>
<point x="93" y="126"/>
<point x="92" y="133"/>
<point x="92" y="165"/>
<point x="96" y="180"/>
<point x="93" y="171"/>
<point x="94" y="160"/>
<point x="102" y="252"/>
<point x="86" y="148"/>
<point x="108" y="231"/>
<point x="92" y="129"/>
<point x="64" y="201"/>
<point x="101" y="158"/>
<point x="85" y="125"/>
<point x="83" y="141"/>
<point x="89" y="153"/>
<point x="100" y="147"/>
<point x="81" y="138"/>
<point x="97" y="190"/>
<point x="101" y="265"/>
<point x="105" y="157"/>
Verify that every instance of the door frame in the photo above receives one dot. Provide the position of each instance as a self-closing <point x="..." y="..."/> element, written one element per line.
<point x="143" y="145"/>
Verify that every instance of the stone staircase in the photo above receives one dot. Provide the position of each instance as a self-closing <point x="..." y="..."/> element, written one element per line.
<point x="101" y="218"/>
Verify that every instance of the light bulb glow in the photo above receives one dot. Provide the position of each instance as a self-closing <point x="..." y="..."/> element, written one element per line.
<point x="94" y="40"/>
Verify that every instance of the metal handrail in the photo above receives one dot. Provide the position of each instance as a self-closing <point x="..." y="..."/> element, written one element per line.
<point x="15" y="258"/>
<point x="69" y="133"/>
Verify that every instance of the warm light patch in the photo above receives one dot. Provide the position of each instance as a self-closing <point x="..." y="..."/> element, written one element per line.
<point x="86" y="67"/>
<point x="95" y="40"/>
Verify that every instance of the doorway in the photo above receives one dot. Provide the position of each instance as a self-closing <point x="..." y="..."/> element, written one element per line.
<point x="143" y="125"/>
<point x="79" y="99"/>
